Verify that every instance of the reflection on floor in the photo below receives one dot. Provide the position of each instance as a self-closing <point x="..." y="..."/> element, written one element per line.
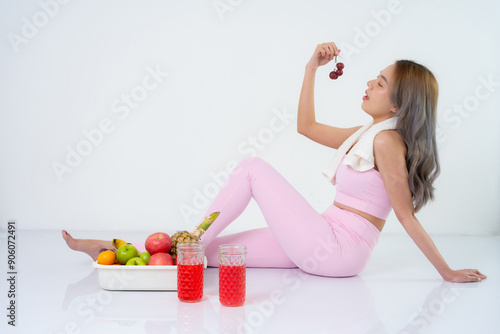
<point x="399" y="292"/>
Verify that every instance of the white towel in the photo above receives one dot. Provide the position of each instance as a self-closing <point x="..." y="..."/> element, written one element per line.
<point x="360" y="157"/>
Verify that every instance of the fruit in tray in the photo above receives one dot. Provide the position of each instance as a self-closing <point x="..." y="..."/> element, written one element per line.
<point x="158" y="242"/>
<point x="161" y="249"/>
<point x="125" y="253"/>
<point x="145" y="256"/>
<point x="161" y="259"/>
<point x="136" y="261"/>
<point x="106" y="257"/>
<point x="117" y="243"/>
<point x="185" y="236"/>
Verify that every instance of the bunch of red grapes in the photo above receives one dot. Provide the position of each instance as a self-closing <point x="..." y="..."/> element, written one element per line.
<point x="338" y="70"/>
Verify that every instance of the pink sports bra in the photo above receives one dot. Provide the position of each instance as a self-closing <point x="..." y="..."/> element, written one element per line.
<point x="364" y="191"/>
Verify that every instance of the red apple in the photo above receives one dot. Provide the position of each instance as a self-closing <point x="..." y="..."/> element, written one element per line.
<point x="161" y="259"/>
<point x="158" y="242"/>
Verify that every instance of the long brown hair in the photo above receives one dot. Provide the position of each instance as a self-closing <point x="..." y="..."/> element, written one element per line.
<point x="415" y="94"/>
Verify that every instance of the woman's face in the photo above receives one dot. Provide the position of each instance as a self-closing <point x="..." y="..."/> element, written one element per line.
<point x="377" y="101"/>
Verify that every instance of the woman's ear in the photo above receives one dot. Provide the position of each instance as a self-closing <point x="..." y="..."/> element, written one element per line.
<point x="394" y="109"/>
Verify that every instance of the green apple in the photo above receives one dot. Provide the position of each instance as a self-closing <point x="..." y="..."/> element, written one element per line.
<point x="125" y="253"/>
<point x="136" y="261"/>
<point x="145" y="256"/>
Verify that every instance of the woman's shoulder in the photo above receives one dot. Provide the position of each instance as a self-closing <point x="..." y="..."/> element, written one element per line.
<point x="389" y="143"/>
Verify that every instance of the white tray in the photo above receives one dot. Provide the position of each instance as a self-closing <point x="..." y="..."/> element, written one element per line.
<point x="115" y="277"/>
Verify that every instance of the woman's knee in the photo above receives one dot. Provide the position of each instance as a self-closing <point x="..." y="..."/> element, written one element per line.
<point x="252" y="161"/>
<point x="249" y="164"/>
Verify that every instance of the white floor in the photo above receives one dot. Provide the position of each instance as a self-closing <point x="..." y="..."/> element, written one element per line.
<point x="399" y="292"/>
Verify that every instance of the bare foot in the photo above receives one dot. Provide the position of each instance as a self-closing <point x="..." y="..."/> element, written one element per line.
<point x="91" y="247"/>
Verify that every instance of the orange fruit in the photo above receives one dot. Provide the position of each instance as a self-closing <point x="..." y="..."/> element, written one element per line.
<point x="107" y="257"/>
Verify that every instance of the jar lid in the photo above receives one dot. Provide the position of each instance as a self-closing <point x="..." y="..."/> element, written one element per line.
<point x="232" y="249"/>
<point x="190" y="246"/>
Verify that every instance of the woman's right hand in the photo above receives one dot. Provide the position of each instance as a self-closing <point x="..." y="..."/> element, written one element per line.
<point x="465" y="275"/>
<point x="323" y="54"/>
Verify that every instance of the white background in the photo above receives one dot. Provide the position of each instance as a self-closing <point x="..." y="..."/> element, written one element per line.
<point x="65" y="67"/>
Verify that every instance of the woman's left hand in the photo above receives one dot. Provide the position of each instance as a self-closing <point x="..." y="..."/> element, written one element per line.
<point x="465" y="275"/>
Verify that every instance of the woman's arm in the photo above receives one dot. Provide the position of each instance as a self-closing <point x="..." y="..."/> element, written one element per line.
<point x="390" y="153"/>
<point x="306" y="120"/>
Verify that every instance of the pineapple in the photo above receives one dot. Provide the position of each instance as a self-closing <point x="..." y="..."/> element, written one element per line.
<point x="185" y="236"/>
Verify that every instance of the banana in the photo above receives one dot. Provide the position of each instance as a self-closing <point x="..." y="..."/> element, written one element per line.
<point x="118" y="242"/>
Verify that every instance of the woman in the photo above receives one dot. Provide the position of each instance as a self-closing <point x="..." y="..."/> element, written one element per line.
<point x="390" y="163"/>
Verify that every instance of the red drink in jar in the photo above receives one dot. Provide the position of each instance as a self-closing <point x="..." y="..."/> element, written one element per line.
<point x="190" y="282"/>
<point x="190" y="258"/>
<point x="232" y="274"/>
<point x="232" y="285"/>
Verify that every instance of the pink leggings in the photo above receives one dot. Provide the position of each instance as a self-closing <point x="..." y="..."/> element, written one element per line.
<point x="335" y="243"/>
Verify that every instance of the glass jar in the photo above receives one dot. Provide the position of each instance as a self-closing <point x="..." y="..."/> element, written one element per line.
<point x="232" y="274"/>
<point x="190" y="262"/>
